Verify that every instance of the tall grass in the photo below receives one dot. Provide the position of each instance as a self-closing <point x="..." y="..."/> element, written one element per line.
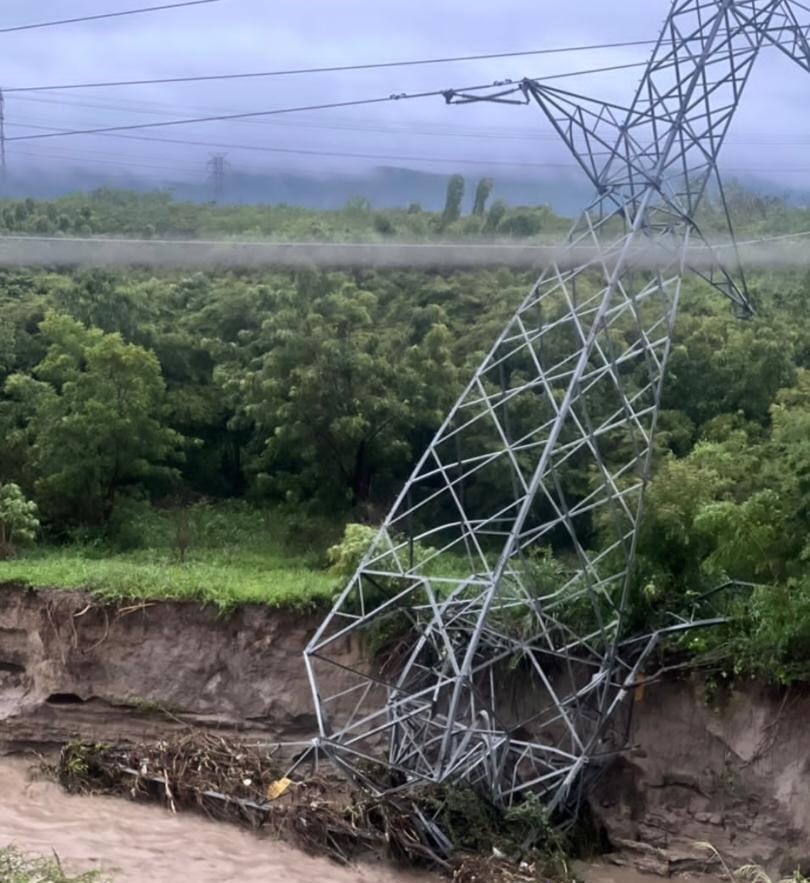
<point x="225" y="555"/>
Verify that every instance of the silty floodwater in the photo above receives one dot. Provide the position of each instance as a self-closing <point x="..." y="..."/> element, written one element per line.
<point x="138" y="843"/>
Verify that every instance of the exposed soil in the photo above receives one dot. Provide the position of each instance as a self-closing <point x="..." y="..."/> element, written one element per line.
<point x="731" y="769"/>
<point x="72" y="668"/>
<point x="734" y="771"/>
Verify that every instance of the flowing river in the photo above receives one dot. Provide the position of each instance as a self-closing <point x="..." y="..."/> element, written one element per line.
<point x="138" y="843"/>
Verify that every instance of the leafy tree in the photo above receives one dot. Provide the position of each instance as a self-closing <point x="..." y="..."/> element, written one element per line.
<point x="383" y="225"/>
<point x="18" y="519"/>
<point x="455" y="196"/>
<point x="340" y="380"/>
<point x="482" y="194"/>
<point x="494" y="216"/>
<point x="521" y="224"/>
<point x="93" y="410"/>
<point x="722" y="365"/>
<point x="345" y="557"/>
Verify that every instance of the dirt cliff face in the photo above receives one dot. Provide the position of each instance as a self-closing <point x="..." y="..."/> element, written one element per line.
<point x="69" y="667"/>
<point x="730" y="768"/>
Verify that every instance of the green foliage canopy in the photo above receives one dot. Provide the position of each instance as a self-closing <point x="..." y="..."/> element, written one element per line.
<point x="18" y="519"/>
<point x="91" y="413"/>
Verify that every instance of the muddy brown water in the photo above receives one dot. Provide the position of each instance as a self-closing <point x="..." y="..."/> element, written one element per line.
<point x="137" y="843"/>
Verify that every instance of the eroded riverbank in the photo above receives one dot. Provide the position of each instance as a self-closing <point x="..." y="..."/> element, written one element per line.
<point x="729" y="767"/>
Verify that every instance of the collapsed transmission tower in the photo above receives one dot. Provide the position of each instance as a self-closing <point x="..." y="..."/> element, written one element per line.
<point x="548" y="447"/>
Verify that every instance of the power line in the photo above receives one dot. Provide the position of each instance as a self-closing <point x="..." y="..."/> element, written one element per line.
<point x="297" y="151"/>
<point x="240" y="116"/>
<point x="354" y="67"/>
<point x="337" y="68"/>
<point x="94" y="159"/>
<point x="326" y="106"/>
<point x="367" y="125"/>
<point x="53" y="249"/>
<point x="152" y="108"/>
<point x="370" y="125"/>
<point x="101" y="15"/>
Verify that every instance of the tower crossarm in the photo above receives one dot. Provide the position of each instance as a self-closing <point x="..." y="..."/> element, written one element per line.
<point x="664" y="149"/>
<point x="789" y="31"/>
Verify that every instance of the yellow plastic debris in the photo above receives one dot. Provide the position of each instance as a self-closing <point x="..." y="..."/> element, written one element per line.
<point x="278" y="788"/>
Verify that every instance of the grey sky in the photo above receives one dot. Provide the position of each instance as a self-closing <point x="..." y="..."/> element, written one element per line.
<point x="771" y="132"/>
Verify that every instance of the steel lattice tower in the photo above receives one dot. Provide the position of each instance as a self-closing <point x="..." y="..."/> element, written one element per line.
<point x="218" y="166"/>
<point x="549" y="445"/>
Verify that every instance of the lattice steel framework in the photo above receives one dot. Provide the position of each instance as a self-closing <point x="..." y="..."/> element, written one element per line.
<point x="548" y="446"/>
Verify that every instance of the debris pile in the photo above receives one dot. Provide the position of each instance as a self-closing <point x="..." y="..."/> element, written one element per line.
<point x="448" y="828"/>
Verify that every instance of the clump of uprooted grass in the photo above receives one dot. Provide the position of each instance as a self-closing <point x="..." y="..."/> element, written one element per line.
<point x="448" y="828"/>
<point x="16" y="867"/>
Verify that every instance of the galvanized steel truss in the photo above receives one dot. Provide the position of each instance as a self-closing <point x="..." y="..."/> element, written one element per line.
<point x="549" y="445"/>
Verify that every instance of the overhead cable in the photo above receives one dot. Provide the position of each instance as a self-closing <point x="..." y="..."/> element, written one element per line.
<point x="285" y="110"/>
<point x="358" y="102"/>
<point x="101" y="15"/>
<point x="298" y="151"/>
<point x="331" y="69"/>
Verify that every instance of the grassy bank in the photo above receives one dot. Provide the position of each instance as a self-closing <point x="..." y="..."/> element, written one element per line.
<point x="15" y="867"/>
<point x="225" y="555"/>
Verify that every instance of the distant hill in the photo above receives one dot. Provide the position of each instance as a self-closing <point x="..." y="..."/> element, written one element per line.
<point x="383" y="187"/>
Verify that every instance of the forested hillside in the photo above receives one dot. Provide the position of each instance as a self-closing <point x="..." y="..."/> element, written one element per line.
<point x="209" y="435"/>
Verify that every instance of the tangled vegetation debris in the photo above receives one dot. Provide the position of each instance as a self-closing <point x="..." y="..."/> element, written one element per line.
<point x="450" y="828"/>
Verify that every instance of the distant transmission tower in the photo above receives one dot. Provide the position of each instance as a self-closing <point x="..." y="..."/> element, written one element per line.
<point x="218" y="167"/>
<point x="548" y="447"/>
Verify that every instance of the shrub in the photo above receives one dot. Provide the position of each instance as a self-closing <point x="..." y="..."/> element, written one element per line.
<point x="18" y="520"/>
<point x="345" y="557"/>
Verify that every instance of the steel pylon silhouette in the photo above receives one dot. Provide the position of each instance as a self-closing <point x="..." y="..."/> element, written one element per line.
<point x="459" y="599"/>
